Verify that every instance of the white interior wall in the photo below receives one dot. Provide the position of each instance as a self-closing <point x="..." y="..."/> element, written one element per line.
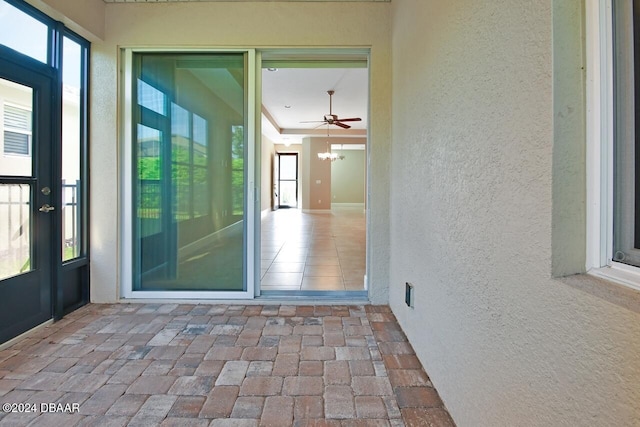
<point x="266" y="189"/>
<point x="348" y="178"/>
<point x="471" y="215"/>
<point x="86" y="17"/>
<point x="245" y="24"/>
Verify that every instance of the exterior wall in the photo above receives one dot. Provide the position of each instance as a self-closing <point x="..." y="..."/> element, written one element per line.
<point x="86" y="17"/>
<point x="245" y="24"/>
<point x="472" y="218"/>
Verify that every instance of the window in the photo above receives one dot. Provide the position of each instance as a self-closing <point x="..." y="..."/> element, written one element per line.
<point x="626" y="142"/>
<point x="17" y="130"/>
<point x="23" y="33"/>
<point x="189" y="163"/>
<point x="613" y="140"/>
<point x="184" y="237"/>
<point x="237" y="170"/>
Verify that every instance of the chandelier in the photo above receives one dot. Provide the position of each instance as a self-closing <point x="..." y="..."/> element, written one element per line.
<point x="328" y="155"/>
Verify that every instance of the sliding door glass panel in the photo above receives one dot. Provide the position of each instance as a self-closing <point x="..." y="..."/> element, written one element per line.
<point x="71" y="152"/>
<point x="189" y="172"/>
<point x="22" y="32"/>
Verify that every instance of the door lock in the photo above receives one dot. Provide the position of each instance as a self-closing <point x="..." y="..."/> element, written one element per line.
<point x="46" y="191"/>
<point x="46" y="208"/>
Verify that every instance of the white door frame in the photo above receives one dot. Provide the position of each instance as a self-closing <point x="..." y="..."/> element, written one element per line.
<point x="126" y="180"/>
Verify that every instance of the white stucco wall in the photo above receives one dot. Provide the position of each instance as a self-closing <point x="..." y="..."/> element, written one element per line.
<point x="472" y="212"/>
<point x="85" y="17"/>
<point x="245" y="24"/>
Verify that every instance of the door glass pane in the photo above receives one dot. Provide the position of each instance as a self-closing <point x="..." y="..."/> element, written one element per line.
<point x="288" y="195"/>
<point x="16" y="108"/>
<point x="288" y="166"/>
<point x="22" y="32"/>
<point x="189" y="178"/>
<point x="71" y="156"/>
<point x="15" y="234"/>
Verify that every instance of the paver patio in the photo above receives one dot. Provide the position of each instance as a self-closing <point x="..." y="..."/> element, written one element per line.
<point x="218" y="365"/>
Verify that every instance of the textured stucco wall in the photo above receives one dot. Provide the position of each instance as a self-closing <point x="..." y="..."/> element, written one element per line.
<point x="85" y="17"/>
<point x="472" y="215"/>
<point x="246" y="24"/>
<point x="569" y="148"/>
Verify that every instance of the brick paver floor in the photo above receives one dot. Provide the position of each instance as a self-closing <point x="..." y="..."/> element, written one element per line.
<point x="218" y="365"/>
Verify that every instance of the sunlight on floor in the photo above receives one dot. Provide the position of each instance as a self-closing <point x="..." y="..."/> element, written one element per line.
<point x="314" y="251"/>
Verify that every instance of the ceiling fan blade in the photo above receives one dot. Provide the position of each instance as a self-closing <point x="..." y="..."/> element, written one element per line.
<point x="314" y="121"/>
<point x="353" y="119"/>
<point x="342" y="125"/>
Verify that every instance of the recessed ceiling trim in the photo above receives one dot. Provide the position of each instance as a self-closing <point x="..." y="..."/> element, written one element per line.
<point x="271" y="120"/>
<point x="322" y="131"/>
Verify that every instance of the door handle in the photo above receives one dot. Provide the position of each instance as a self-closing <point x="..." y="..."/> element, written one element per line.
<point x="46" y="208"/>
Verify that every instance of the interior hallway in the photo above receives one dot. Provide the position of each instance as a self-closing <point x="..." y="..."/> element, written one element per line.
<point x="220" y="365"/>
<point x="314" y="251"/>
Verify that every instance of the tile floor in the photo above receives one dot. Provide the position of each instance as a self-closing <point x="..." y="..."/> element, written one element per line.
<point x="314" y="251"/>
<point x="218" y="365"/>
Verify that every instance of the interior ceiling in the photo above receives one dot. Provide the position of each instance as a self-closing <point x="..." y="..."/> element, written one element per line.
<point x="178" y="1"/>
<point x="291" y="96"/>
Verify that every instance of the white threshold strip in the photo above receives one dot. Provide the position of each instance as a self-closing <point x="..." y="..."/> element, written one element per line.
<point x="254" y="301"/>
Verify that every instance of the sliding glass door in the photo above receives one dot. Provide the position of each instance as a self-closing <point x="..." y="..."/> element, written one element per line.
<point x="190" y="176"/>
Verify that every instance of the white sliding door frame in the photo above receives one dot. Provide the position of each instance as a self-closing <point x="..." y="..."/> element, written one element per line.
<point x="126" y="184"/>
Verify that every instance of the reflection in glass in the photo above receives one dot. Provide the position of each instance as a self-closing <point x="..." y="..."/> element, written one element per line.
<point x="151" y="98"/>
<point x="71" y="157"/>
<point x="189" y="161"/>
<point x="16" y="103"/>
<point x="149" y="185"/>
<point x="22" y="32"/>
<point x="15" y="229"/>
<point x="237" y="170"/>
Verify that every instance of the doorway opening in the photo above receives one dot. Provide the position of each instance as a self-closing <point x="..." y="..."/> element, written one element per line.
<point x="314" y="156"/>
<point x="287" y="180"/>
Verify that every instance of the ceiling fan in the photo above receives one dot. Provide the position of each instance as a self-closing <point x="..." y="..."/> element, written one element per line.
<point x="332" y="119"/>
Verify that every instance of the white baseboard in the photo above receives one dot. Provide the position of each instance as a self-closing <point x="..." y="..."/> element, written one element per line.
<point x="347" y="205"/>
<point x="316" y="210"/>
